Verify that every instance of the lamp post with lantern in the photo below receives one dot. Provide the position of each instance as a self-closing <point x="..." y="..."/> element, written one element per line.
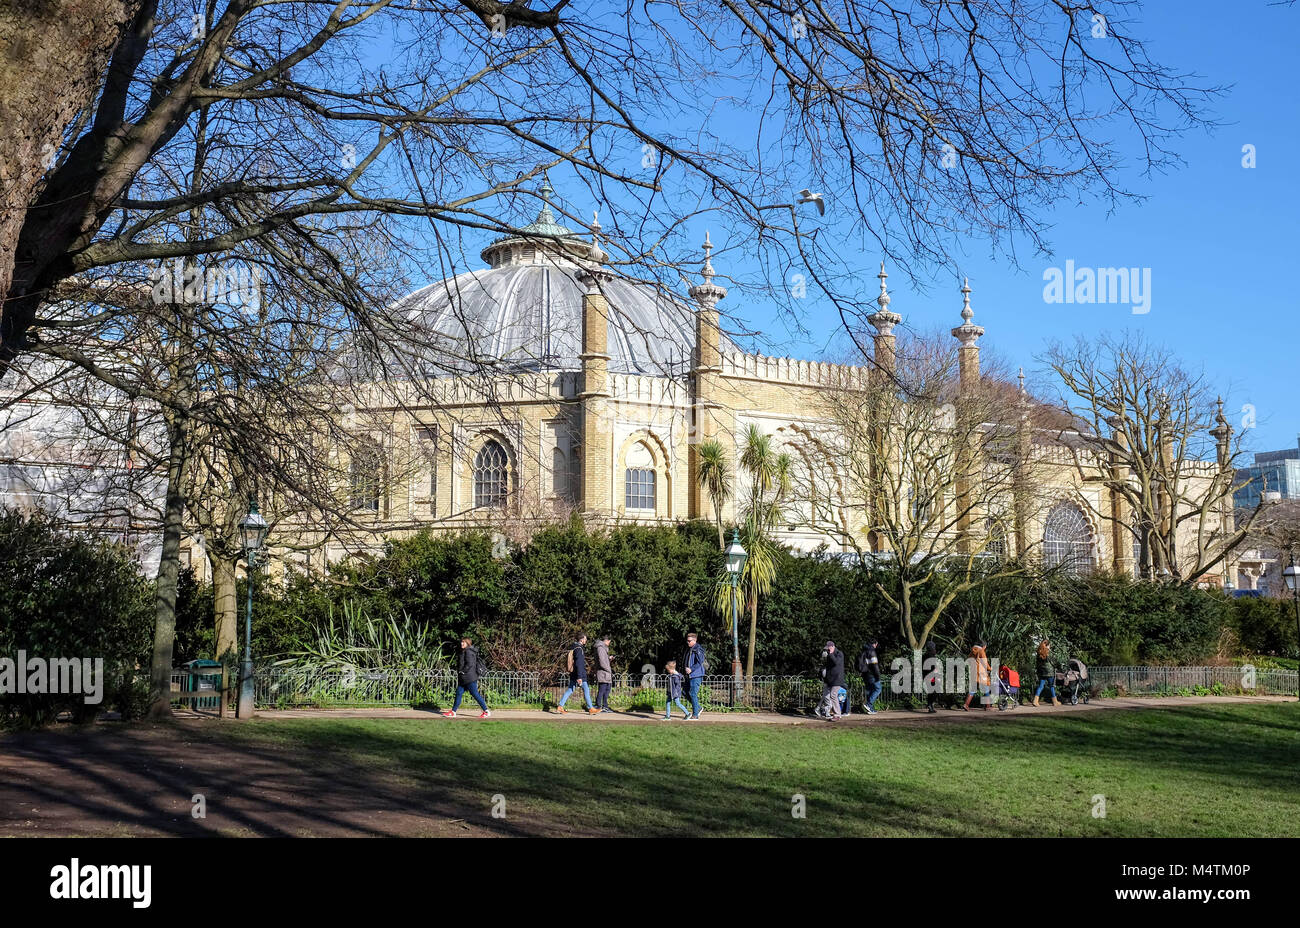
<point x="735" y="556"/>
<point x="252" y="530"/>
<point x="1292" y="577"/>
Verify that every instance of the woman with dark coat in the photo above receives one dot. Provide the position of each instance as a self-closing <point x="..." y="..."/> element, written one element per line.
<point x="1045" y="671"/>
<point x="469" y="667"/>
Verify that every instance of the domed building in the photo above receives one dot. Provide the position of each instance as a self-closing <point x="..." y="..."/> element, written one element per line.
<point x="562" y="387"/>
<point x="545" y="384"/>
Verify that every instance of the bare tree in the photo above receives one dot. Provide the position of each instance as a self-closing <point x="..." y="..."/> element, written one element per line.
<point x="1148" y="432"/>
<point x="932" y="470"/>
<point x="409" y="123"/>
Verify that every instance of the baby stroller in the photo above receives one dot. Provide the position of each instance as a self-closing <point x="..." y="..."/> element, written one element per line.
<point x="1074" y="682"/>
<point x="1008" y="688"/>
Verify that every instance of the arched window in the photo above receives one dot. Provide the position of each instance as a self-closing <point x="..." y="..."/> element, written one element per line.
<point x="639" y="478"/>
<point x="1067" y="539"/>
<point x="491" y="475"/>
<point x="367" y="478"/>
<point x="997" y="544"/>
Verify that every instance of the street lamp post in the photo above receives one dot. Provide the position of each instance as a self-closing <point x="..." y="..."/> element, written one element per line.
<point x="1292" y="577"/>
<point x="735" y="561"/>
<point x="252" y="529"/>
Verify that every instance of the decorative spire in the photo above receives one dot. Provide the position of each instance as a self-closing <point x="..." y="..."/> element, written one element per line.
<point x="707" y="294"/>
<point x="1221" y="431"/>
<point x="882" y="320"/>
<point x="597" y="254"/>
<point x="545" y="216"/>
<point x="1021" y="379"/>
<point x="967" y="333"/>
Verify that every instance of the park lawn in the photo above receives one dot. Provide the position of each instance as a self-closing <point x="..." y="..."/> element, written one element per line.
<point x="1217" y="770"/>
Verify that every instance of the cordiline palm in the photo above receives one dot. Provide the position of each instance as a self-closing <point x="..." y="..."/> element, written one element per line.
<point x="715" y="479"/>
<point x="769" y="474"/>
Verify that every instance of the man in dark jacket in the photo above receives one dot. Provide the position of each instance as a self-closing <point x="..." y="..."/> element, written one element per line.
<point x="578" y="677"/>
<point x="869" y="667"/>
<point x="469" y="667"/>
<point x="832" y="679"/>
<point x="694" y="665"/>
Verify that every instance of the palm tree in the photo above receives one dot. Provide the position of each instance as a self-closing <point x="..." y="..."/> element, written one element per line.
<point x="715" y="478"/>
<point x="769" y="476"/>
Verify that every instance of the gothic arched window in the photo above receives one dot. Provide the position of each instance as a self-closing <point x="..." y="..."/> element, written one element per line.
<point x="1067" y="539"/>
<point x="639" y="478"/>
<point x="491" y="475"/>
<point x="367" y="477"/>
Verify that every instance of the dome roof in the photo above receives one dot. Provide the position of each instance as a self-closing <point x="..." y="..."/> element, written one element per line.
<point x="529" y="317"/>
<point x="524" y="312"/>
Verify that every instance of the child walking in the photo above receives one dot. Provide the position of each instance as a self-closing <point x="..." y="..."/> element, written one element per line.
<point x="674" y="692"/>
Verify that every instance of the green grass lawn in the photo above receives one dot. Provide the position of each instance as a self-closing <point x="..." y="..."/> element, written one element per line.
<point x="1213" y="770"/>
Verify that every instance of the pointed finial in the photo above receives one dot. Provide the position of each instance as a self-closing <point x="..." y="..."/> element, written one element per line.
<point x="1021" y="378"/>
<point x="967" y="314"/>
<point x="707" y="293"/>
<point x="595" y="225"/>
<point x="883" y="300"/>
<point x="707" y="271"/>
<point x="546" y="189"/>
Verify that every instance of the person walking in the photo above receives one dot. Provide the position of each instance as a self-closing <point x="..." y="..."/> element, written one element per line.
<point x="983" y="679"/>
<point x="577" y="664"/>
<point x="469" y="667"/>
<point x="674" y="693"/>
<point x="696" y="666"/>
<point x="604" y="674"/>
<point x="933" y="676"/>
<point x="832" y="680"/>
<point x="869" y="667"/>
<point x="1046" y="674"/>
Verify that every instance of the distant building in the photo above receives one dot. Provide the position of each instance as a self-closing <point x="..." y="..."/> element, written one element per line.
<point x="1272" y="470"/>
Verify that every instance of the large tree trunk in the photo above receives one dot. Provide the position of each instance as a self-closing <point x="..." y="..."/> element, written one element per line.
<point x="226" y="608"/>
<point x="52" y="56"/>
<point x="168" y="572"/>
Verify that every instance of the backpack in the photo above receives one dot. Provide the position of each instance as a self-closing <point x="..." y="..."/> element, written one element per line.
<point x="863" y="660"/>
<point x="569" y="662"/>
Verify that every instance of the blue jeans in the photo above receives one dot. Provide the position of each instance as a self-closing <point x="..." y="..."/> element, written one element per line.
<point x="1046" y="682"/>
<point x="873" y="691"/>
<point x="693" y="689"/>
<point x="473" y="691"/>
<point x="586" y="693"/>
<point x="668" y="708"/>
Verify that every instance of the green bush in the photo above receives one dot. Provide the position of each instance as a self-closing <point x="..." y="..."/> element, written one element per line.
<point x="70" y="596"/>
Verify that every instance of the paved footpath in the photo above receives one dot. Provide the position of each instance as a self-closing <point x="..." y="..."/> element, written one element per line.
<point x="891" y="717"/>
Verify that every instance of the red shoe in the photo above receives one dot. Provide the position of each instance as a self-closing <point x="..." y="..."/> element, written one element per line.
<point x="449" y="714"/>
<point x="485" y="714"/>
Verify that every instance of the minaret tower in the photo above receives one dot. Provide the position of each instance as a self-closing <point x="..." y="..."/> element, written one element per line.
<point x="883" y="321"/>
<point x="593" y="395"/>
<point x="968" y="334"/>
<point x="706" y="371"/>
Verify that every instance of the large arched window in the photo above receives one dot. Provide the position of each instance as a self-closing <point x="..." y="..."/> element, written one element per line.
<point x="1067" y="539"/>
<point x="367" y="477"/>
<point x="491" y="475"/>
<point x="639" y="478"/>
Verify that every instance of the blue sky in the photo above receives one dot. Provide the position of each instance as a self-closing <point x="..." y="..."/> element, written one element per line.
<point x="1221" y="240"/>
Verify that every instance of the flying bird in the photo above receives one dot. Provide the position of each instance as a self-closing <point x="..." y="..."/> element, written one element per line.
<point x="807" y="196"/>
